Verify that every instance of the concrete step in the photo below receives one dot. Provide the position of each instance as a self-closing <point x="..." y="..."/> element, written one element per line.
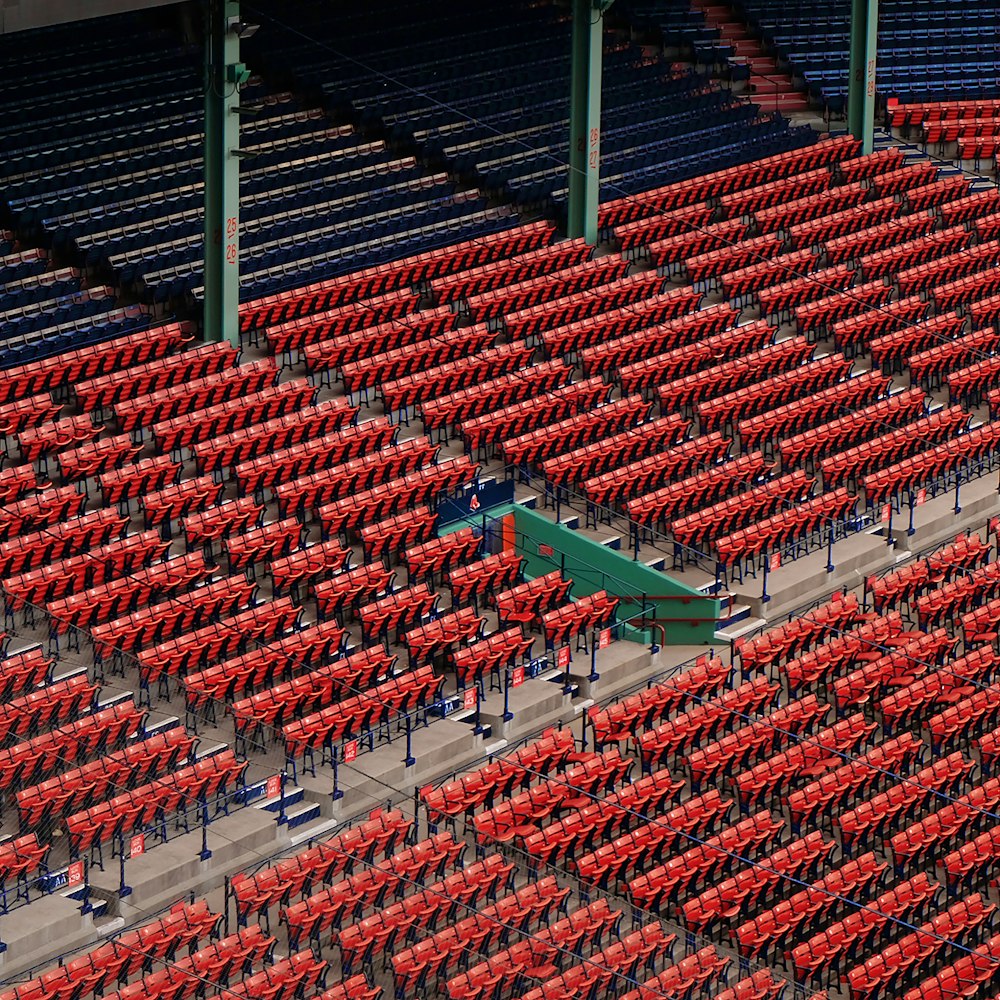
<point x="301" y="814"/>
<point x="747" y="47"/>
<point x="778" y="83"/>
<point x="741" y="628"/>
<point x="785" y="103"/>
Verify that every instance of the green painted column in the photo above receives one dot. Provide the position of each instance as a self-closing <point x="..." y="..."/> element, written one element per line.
<point x="861" y="85"/>
<point x="585" y="118"/>
<point x="224" y="74"/>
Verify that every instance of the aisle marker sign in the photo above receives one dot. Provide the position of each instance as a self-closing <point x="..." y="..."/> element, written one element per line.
<point x="563" y="659"/>
<point x="517" y="677"/>
<point x="74" y="873"/>
<point x="470" y="698"/>
<point x="137" y="845"/>
<point x="350" y="751"/>
<point x="273" y="789"/>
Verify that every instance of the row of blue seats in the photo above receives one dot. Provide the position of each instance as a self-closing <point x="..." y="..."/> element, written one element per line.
<point x="18" y="298"/>
<point x="67" y="167"/>
<point x="509" y="112"/>
<point x="527" y="189"/>
<point x="18" y="270"/>
<point x="14" y="353"/>
<point x="23" y="325"/>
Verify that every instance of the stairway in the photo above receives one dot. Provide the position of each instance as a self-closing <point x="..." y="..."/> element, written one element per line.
<point x="769" y="88"/>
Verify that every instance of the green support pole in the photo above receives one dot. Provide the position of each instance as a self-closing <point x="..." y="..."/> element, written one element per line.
<point x="585" y="118"/>
<point x="861" y="85"/>
<point x="224" y="74"/>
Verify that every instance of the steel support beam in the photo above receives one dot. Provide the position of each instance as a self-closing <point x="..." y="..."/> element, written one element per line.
<point x="224" y="74"/>
<point x="585" y="119"/>
<point x="861" y="85"/>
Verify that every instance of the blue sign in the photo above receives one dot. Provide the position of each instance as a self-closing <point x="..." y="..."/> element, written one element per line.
<point x="475" y="500"/>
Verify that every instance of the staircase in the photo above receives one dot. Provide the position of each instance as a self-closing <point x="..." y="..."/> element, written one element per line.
<point x="769" y="88"/>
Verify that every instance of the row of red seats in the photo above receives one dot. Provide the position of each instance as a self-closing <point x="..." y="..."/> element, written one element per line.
<point x="140" y="380"/>
<point x="671" y="252"/>
<point x="786" y="297"/>
<point x="684" y="874"/>
<point x="967" y="973"/>
<point x="726" y="346"/>
<point x="185" y="926"/>
<point x="618" y="350"/>
<point x="701" y="722"/>
<point x="58" y="370"/>
<point x="265" y="436"/>
<point x="902" y="113"/>
<point x="194" y="648"/>
<point x="763" y="780"/>
<point x="244" y="408"/>
<point x="94" y="733"/>
<point x="624" y="293"/>
<point x="876" y="816"/>
<point x="852" y="465"/>
<point x="616" y="721"/>
<point x="570" y="336"/>
<point x="758" y="397"/>
<point x="303" y="650"/>
<point x="473" y="281"/>
<point x="446" y="411"/>
<point x="967" y="292"/>
<point x="911" y="900"/>
<point x="183" y="978"/>
<point x="738" y="204"/>
<point x="482" y="579"/>
<point x="35" y="442"/>
<point x="434" y="958"/>
<point x="355" y="716"/>
<point x="794" y="425"/>
<point x="707" y="268"/>
<point x="913" y="703"/>
<point x="711" y="383"/>
<point x="774" y="929"/>
<point x="972" y="383"/>
<point x="828" y="509"/>
<point x="544" y="954"/>
<point x="45" y="707"/>
<point x="593" y="613"/>
<point x="682" y="460"/>
<point x="358" y="892"/>
<point x="412" y="389"/>
<point x="591" y="460"/>
<point x="599" y="976"/>
<point x="925" y="467"/>
<point x="745" y="507"/>
<point x="862" y="637"/>
<point x="749" y="279"/>
<point x="588" y="834"/>
<point x="156" y="623"/>
<point x="848" y="220"/>
<point x="930" y="366"/>
<point x="145" y="805"/>
<point x="136" y="764"/>
<point x="518" y="816"/>
<point x="926" y="837"/>
<point x="852" y="246"/>
<point x="854" y="334"/>
<point x="824" y="153"/>
<point x="349" y="515"/>
<point x="532" y="447"/>
<point x="37" y="512"/>
<point x="311" y="454"/>
<point x="817" y="317"/>
<point x="399" y="274"/>
<point x="298" y="490"/>
<point x="122" y="595"/>
<point x="800" y="633"/>
<point x="679" y="502"/>
<point x="887" y="262"/>
<point x="329" y="341"/>
<point x="511" y="298"/>
<point x="516" y="770"/>
<point x="211" y="391"/>
<point x="489" y="428"/>
<point x="952" y="598"/>
<point x="358" y="376"/>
